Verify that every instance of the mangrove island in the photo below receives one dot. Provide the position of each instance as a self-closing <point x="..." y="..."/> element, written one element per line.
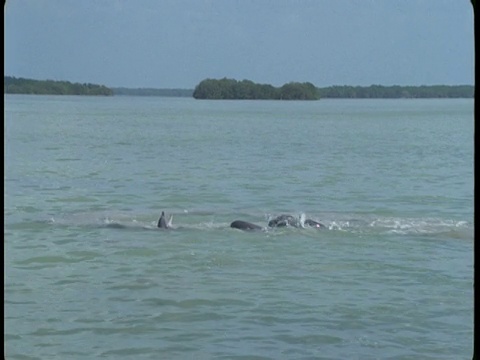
<point x="13" y="85"/>
<point x="226" y="89"/>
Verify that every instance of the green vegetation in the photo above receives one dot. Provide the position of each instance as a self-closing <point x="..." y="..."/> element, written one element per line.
<point x="153" y="92"/>
<point x="395" y="92"/>
<point x="245" y="89"/>
<point x="12" y="85"/>
<point x="248" y="90"/>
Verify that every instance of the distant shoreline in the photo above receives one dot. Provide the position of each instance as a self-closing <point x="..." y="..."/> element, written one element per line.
<point x="24" y="86"/>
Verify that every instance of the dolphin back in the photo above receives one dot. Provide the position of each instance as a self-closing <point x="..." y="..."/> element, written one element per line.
<point x="283" y="220"/>
<point x="244" y="225"/>
<point x="289" y="220"/>
<point x="313" y="223"/>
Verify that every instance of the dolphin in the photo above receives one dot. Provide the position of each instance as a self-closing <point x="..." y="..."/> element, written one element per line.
<point x="283" y="220"/>
<point x="313" y="223"/>
<point x="244" y="225"/>
<point x="163" y="223"/>
<point x="289" y="220"/>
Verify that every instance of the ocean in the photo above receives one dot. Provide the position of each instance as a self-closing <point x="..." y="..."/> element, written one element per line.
<point x="89" y="275"/>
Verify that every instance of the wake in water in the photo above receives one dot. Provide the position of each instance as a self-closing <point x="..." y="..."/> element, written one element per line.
<point x="208" y="221"/>
<point x="404" y="226"/>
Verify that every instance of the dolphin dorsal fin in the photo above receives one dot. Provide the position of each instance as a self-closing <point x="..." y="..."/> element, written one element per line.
<point x="161" y="221"/>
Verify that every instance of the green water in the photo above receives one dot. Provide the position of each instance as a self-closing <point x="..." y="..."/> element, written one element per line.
<point x="88" y="274"/>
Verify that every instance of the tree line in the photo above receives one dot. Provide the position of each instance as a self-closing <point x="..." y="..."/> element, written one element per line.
<point x="245" y="89"/>
<point x="248" y="90"/>
<point x="153" y="92"/>
<point x="13" y="85"/>
<point x="396" y="92"/>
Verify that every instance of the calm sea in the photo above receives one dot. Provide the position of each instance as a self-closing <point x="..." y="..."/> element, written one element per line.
<point x="88" y="275"/>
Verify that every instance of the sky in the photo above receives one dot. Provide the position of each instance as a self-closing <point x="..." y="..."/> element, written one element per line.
<point x="178" y="43"/>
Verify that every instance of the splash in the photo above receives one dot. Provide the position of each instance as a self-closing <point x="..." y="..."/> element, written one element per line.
<point x="338" y="222"/>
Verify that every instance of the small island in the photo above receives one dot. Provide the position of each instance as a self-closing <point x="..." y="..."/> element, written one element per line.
<point x="13" y="85"/>
<point x="229" y="89"/>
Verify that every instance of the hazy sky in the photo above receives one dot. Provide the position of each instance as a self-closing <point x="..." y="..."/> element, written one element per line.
<point x="178" y="43"/>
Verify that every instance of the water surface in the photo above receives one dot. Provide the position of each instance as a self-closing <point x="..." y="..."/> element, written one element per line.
<point x="88" y="274"/>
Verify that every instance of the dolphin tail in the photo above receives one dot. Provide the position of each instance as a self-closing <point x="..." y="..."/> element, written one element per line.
<point x="169" y="223"/>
